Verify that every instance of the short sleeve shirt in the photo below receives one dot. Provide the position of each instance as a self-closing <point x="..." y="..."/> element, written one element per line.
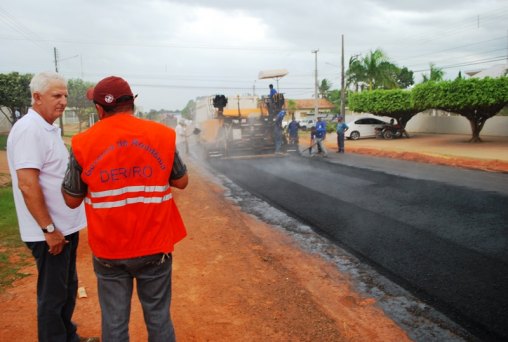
<point x="342" y="127"/>
<point x="320" y="129"/>
<point x="33" y="143"/>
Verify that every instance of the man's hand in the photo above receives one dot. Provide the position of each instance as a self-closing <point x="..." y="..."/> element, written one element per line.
<point x="56" y="242"/>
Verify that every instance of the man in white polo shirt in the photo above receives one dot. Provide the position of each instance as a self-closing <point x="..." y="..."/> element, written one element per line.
<point x="37" y="162"/>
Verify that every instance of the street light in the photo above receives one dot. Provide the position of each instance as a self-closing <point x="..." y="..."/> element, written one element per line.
<point x="315" y="83"/>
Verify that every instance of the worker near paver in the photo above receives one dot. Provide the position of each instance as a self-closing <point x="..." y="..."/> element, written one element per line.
<point x="271" y="102"/>
<point x="273" y="91"/>
<point x="342" y="127"/>
<point x="313" y="142"/>
<point x="123" y="168"/>
<point x="37" y="159"/>
<point x="278" y="130"/>
<point x="321" y="136"/>
<point x="293" y="127"/>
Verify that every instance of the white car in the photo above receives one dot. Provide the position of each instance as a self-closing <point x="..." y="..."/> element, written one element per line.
<point x="363" y="128"/>
<point x="306" y="124"/>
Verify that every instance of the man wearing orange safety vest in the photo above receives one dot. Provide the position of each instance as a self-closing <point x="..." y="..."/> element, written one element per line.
<point x="123" y="168"/>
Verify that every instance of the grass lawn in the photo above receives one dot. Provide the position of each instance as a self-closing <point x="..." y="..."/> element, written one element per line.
<point x="13" y="253"/>
<point x="3" y="141"/>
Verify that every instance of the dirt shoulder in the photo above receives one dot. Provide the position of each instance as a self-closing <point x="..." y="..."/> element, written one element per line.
<point x="235" y="278"/>
<point x="442" y="149"/>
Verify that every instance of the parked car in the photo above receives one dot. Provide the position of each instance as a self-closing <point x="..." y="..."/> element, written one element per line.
<point x="364" y="128"/>
<point x="307" y="123"/>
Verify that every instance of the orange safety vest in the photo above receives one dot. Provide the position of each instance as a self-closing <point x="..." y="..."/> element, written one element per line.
<point x="127" y="164"/>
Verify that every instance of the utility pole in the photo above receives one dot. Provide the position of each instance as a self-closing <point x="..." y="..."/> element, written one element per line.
<point x="60" y="120"/>
<point x="342" y="90"/>
<point x="316" y="109"/>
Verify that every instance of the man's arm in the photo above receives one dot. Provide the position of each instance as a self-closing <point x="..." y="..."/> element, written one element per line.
<point x="179" y="177"/>
<point x="180" y="183"/>
<point x="28" y="184"/>
<point x="71" y="201"/>
<point x="73" y="188"/>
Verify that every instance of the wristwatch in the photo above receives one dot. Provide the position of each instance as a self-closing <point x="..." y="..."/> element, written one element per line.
<point x="50" y="228"/>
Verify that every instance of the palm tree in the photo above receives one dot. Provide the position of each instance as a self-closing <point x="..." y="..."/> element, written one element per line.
<point x="436" y="74"/>
<point x="374" y="69"/>
<point x="355" y="73"/>
<point x="324" y="88"/>
<point x="379" y="71"/>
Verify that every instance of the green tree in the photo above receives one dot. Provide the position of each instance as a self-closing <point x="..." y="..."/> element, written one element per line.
<point x="78" y="101"/>
<point x="152" y="114"/>
<point x="355" y="74"/>
<point x="475" y="99"/>
<point x="405" y="78"/>
<point x="377" y="68"/>
<point x="291" y="106"/>
<point x="374" y="69"/>
<point x="14" y="94"/>
<point x="324" y="88"/>
<point x="189" y="111"/>
<point x="436" y="74"/>
<point x="334" y="98"/>
<point x="394" y="103"/>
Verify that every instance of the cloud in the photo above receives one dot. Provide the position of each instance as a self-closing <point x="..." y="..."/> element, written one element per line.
<point x="174" y="51"/>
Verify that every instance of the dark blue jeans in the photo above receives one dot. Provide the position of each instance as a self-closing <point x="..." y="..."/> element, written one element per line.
<point x="278" y="139"/>
<point x="57" y="286"/>
<point x="340" y="142"/>
<point x="115" y="280"/>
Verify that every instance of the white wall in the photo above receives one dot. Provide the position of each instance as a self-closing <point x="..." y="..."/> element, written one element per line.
<point x="456" y="124"/>
<point x="441" y="123"/>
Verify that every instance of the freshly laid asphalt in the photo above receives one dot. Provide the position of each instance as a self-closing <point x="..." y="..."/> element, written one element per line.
<point x="438" y="231"/>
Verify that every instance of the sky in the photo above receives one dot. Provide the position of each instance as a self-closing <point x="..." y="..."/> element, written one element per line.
<point x="172" y="52"/>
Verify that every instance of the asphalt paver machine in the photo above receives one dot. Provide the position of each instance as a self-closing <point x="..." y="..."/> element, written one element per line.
<point x="244" y="125"/>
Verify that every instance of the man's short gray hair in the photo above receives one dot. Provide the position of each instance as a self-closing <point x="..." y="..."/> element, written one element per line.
<point x="40" y="81"/>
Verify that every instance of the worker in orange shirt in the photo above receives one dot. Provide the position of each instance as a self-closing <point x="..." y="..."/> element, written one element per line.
<point x="123" y="168"/>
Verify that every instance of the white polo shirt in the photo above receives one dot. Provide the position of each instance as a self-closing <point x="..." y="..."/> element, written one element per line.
<point x="35" y="144"/>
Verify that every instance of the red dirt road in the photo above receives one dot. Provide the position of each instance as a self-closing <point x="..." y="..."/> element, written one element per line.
<point x="235" y="279"/>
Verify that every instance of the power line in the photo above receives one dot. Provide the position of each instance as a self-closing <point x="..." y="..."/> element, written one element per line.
<point x="456" y="48"/>
<point x="441" y="61"/>
<point x="460" y="25"/>
<point x="481" y="61"/>
<point x="15" y="25"/>
<point x="199" y="46"/>
<point x="180" y="86"/>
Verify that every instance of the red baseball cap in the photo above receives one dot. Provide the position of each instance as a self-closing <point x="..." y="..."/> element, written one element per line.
<point x="111" y="91"/>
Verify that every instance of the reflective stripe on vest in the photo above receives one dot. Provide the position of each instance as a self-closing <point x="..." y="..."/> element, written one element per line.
<point x="130" y="200"/>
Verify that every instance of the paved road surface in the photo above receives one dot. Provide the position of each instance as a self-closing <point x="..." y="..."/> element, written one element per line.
<point x="439" y="232"/>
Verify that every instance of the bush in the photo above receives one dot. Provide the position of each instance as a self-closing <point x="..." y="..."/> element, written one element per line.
<point x="3" y="142"/>
<point x="12" y="254"/>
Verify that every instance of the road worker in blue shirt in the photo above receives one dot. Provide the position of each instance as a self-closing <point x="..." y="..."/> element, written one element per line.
<point x="321" y="135"/>
<point x="278" y="130"/>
